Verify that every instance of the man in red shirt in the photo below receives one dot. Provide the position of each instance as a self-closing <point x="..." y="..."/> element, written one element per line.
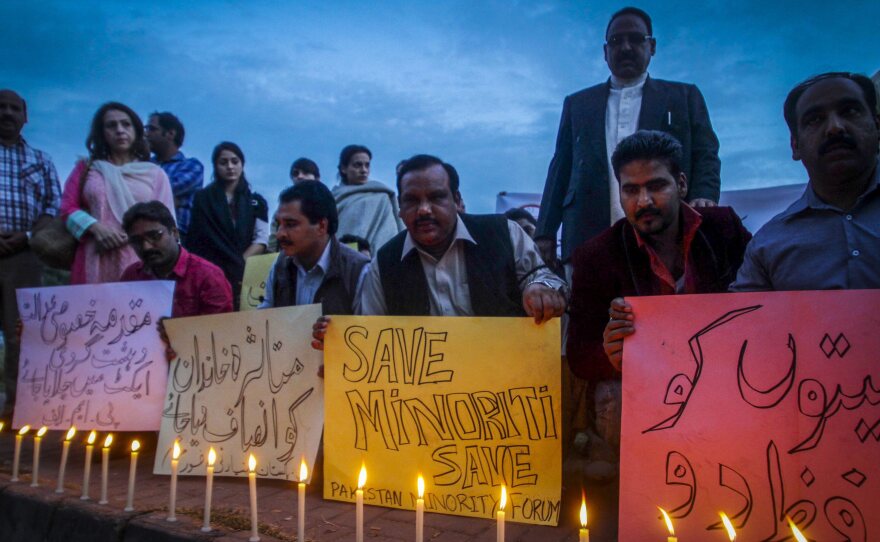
<point x="201" y="288"/>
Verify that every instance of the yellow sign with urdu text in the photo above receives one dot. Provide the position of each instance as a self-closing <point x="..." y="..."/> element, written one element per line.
<point x="256" y="275"/>
<point x="469" y="403"/>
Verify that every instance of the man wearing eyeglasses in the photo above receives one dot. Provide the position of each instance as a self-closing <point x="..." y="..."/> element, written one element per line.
<point x="201" y="286"/>
<point x="580" y="193"/>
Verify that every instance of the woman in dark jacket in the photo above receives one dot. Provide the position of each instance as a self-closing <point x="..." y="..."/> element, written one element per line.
<point x="229" y="222"/>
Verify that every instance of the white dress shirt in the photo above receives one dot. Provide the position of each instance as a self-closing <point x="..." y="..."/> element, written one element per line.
<point x="621" y="120"/>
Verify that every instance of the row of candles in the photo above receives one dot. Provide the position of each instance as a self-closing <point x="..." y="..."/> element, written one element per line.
<point x="583" y="535"/>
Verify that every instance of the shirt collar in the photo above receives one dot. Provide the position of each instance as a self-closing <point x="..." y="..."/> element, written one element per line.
<point x="690" y="223"/>
<point x="178" y="157"/>
<point x="461" y="234"/>
<point x="618" y="83"/>
<point x="182" y="264"/>
<point x="323" y="262"/>
<point x="809" y="199"/>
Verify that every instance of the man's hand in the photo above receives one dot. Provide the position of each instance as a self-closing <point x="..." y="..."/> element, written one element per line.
<point x="542" y="302"/>
<point x="13" y="242"/>
<point x="703" y="202"/>
<point x="547" y="248"/>
<point x="319" y="329"/>
<point x="107" y="238"/>
<point x="620" y="325"/>
<point x="170" y="354"/>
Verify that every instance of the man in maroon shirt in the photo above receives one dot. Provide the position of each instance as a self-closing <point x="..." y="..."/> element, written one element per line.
<point x="201" y="288"/>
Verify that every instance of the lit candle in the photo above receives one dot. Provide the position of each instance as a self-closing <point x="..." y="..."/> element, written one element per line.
<point x="798" y="535"/>
<point x="731" y="532"/>
<point x="132" y="471"/>
<point x="65" y="449"/>
<point x="16" y="456"/>
<point x="90" y="444"/>
<point x="420" y="509"/>
<point x="35" y="479"/>
<point x="105" y="467"/>
<point x="359" y="504"/>
<point x="500" y="514"/>
<point x="209" y="489"/>
<point x="252" y="482"/>
<point x="584" y="534"/>
<point x="301" y="502"/>
<point x="668" y="520"/>
<point x="172" y="502"/>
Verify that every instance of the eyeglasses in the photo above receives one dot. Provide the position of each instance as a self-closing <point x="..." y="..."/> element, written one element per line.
<point x="151" y="128"/>
<point x="153" y="236"/>
<point x="633" y="38"/>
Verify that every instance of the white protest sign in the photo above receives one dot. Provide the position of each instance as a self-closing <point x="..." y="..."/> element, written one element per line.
<point x="91" y="356"/>
<point x="244" y="383"/>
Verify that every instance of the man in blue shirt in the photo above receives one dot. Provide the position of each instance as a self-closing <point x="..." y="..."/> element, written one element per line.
<point x="830" y="237"/>
<point x="165" y="135"/>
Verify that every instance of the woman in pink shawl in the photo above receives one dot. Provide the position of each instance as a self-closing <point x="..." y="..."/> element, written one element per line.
<point x="118" y="174"/>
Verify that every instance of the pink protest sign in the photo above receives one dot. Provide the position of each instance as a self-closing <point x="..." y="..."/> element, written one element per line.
<point x="765" y="406"/>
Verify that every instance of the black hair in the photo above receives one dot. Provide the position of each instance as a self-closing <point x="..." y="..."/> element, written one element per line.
<point x="168" y="121"/>
<point x="789" y="109"/>
<point x="345" y="157"/>
<point x="236" y="150"/>
<point x="315" y="201"/>
<point x="641" y="14"/>
<point x="420" y="162"/>
<point x="648" y="145"/>
<point x="362" y="243"/>
<point x="97" y="146"/>
<point x="307" y="166"/>
<point x="518" y="213"/>
<point x="154" y="211"/>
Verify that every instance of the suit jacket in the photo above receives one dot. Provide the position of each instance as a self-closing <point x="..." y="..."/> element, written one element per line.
<point x="577" y="193"/>
<point x="612" y="265"/>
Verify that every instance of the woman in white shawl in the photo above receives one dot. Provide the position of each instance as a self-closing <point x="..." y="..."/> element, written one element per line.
<point x="366" y="208"/>
<point x="97" y="193"/>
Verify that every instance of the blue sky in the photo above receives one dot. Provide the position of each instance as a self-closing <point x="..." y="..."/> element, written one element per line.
<point x="480" y="84"/>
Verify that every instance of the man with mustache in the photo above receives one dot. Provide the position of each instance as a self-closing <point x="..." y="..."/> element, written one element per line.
<point x="201" y="286"/>
<point x="830" y="237"/>
<point x="580" y="192"/>
<point x="662" y="247"/>
<point x="29" y="197"/>
<point x="313" y="266"/>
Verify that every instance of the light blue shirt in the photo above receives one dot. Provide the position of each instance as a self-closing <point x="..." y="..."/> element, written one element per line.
<point x="815" y="246"/>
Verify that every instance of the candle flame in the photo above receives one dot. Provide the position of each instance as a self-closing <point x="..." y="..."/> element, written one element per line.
<point x="583" y="512"/>
<point x="731" y="533"/>
<point x="70" y="433"/>
<point x="175" y="453"/>
<point x="212" y="457"/>
<point x="42" y="431"/>
<point x="798" y="535"/>
<point x="362" y="476"/>
<point x="135" y="445"/>
<point x="303" y="471"/>
<point x="24" y="429"/>
<point x="421" y="485"/>
<point x="503" y="502"/>
<point x="668" y="521"/>
<point x="108" y="441"/>
<point x="2" y="425"/>
<point x="92" y="437"/>
<point x="252" y="463"/>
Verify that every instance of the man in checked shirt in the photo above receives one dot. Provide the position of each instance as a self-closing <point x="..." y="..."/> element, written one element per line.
<point x="29" y="196"/>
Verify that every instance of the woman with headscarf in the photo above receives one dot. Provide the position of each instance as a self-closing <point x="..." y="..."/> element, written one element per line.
<point x="97" y="193"/>
<point x="367" y="208"/>
<point x="229" y="221"/>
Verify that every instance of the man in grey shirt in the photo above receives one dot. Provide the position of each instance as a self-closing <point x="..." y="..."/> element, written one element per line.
<point x="830" y="237"/>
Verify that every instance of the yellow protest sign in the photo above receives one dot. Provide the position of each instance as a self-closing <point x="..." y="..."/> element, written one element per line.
<point x="253" y="285"/>
<point x="469" y="403"/>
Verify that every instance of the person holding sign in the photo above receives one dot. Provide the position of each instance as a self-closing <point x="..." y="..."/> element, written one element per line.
<point x="829" y="238"/>
<point x="313" y="267"/>
<point x="201" y="287"/>
<point x="662" y="247"/>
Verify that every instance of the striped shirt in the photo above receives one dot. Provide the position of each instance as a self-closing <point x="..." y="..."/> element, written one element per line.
<point x="29" y="187"/>
<point x="187" y="177"/>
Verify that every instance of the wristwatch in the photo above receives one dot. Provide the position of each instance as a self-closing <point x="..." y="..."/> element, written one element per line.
<point x="562" y="289"/>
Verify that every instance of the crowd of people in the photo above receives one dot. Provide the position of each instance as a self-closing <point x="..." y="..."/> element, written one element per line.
<point x="634" y="184"/>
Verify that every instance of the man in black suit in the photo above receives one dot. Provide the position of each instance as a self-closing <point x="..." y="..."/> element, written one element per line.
<point x="580" y="193"/>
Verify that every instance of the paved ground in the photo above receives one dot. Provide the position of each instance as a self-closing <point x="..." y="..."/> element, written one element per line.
<point x="28" y="513"/>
